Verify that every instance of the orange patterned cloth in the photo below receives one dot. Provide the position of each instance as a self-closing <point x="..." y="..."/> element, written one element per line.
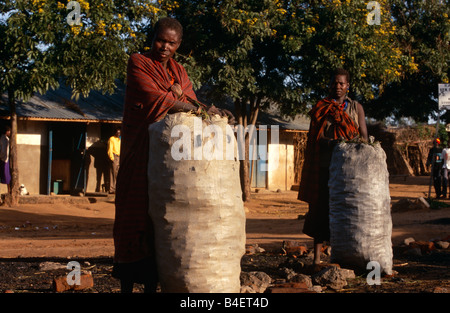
<point x="325" y="113"/>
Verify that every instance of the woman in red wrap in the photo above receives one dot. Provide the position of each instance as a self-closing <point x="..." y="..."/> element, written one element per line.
<point x="334" y="117"/>
<point x="156" y="85"/>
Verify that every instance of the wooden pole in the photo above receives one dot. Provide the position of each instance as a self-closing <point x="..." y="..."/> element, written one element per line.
<point x="14" y="195"/>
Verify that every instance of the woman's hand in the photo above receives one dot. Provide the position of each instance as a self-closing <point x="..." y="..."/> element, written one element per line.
<point x="176" y="89"/>
<point x="213" y="110"/>
<point x="222" y="113"/>
<point x="231" y="119"/>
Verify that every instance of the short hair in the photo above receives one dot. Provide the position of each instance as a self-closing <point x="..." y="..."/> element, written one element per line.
<point x="170" y="23"/>
<point x="341" y="72"/>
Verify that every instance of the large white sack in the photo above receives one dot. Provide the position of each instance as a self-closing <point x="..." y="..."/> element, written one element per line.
<point x="196" y="206"/>
<point x="360" y="214"/>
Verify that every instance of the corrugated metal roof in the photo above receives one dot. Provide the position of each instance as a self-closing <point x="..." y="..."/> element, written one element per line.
<point x="57" y="105"/>
<point x="268" y="116"/>
<point x="298" y="123"/>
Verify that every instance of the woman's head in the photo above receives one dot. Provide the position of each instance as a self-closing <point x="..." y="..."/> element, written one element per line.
<point x="167" y="39"/>
<point x="170" y="23"/>
<point x="339" y="83"/>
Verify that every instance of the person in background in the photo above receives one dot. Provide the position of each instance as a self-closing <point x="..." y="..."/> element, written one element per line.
<point x="5" y="172"/>
<point x="445" y="168"/>
<point x="332" y="118"/>
<point x="114" y="157"/>
<point x="434" y="160"/>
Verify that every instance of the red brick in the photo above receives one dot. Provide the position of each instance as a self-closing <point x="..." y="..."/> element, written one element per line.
<point x="60" y="283"/>
<point x="294" y="247"/>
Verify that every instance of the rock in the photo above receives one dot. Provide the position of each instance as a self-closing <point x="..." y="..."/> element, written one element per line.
<point x="247" y="289"/>
<point x="442" y="244"/>
<point x="256" y="281"/>
<point x="441" y="290"/>
<point x="424" y="246"/>
<point x="408" y="240"/>
<point x="252" y="249"/>
<point x="50" y="266"/>
<point x="294" y="264"/>
<point x="289" y="273"/>
<point x="289" y="288"/>
<point x="331" y="277"/>
<point x="413" y="252"/>
<point x="302" y="278"/>
<point x="316" y="268"/>
<point x="347" y="273"/>
<point x="258" y="249"/>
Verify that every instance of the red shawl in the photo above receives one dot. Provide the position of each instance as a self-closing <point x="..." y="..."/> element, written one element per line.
<point x="148" y="99"/>
<point x="326" y="110"/>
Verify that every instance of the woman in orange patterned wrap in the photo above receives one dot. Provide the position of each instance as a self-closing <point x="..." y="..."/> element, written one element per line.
<point x="334" y="117"/>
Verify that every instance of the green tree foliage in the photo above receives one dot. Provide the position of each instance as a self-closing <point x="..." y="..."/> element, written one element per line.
<point x="342" y="36"/>
<point x="422" y="34"/>
<point x="282" y="51"/>
<point x="43" y="43"/>
<point x="250" y="50"/>
<point x="256" y="52"/>
<point x="285" y="50"/>
<point x="86" y="47"/>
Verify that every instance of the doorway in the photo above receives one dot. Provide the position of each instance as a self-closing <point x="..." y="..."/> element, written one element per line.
<point x="67" y="144"/>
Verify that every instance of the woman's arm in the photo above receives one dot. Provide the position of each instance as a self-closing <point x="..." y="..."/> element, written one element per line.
<point x="362" y="122"/>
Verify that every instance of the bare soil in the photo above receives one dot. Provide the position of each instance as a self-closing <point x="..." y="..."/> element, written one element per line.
<point x="33" y="233"/>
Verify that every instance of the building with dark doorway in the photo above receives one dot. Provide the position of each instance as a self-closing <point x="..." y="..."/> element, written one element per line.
<point x="61" y="143"/>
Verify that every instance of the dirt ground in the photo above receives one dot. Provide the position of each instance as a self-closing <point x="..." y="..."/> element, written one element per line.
<point x="82" y="231"/>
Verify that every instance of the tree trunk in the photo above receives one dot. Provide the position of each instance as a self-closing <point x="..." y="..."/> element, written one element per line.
<point x="243" y="137"/>
<point x="244" y="170"/>
<point x="14" y="196"/>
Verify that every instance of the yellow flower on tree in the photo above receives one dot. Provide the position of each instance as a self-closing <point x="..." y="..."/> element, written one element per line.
<point x="75" y="30"/>
<point x="84" y="4"/>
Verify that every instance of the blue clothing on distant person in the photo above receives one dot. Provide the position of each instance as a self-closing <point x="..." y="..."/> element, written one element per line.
<point x="5" y="173"/>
